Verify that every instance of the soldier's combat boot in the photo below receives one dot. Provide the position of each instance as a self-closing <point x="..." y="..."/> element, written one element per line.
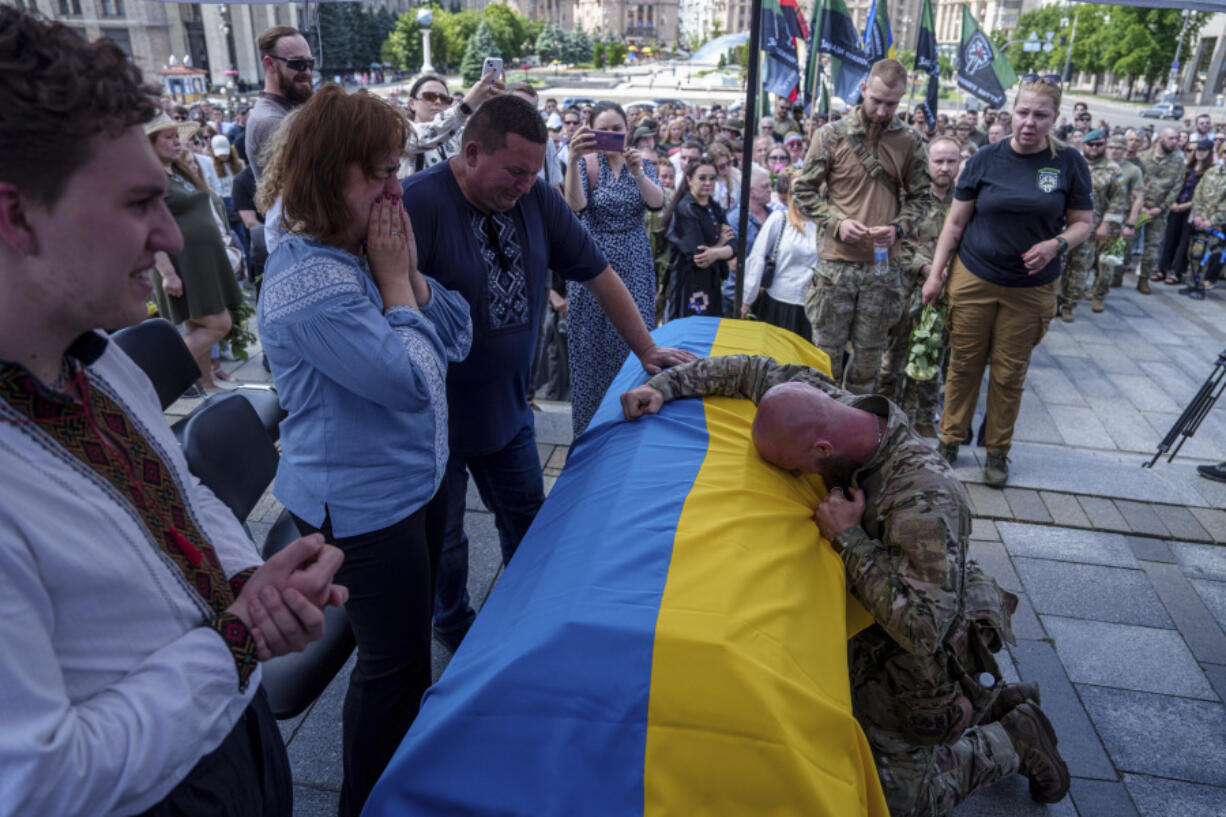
<point x="1096" y="305"/>
<point x="996" y="469"/>
<point x="925" y="428"/>
<point x="1117" y="280"/>
<point x="949" y="451"/>
<point x="1143" y="284"/>
<point x="1034" y="739"/>
<point x="1011" y="697"/>
<point x="1066" y="313"/>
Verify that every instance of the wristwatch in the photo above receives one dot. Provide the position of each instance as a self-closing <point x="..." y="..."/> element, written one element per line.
<point x="465" y="108"/>
<point x="1063" y="242"/>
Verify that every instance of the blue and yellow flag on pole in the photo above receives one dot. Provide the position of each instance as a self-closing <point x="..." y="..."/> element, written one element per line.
<point x="878" y="38"/>
<point x="670" y="638"/>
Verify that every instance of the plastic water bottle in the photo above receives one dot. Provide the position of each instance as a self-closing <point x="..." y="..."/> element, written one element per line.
<point x="881" y="260"/>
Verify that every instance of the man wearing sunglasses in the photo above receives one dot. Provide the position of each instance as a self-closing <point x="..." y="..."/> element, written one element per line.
<point x="288" y="67"/>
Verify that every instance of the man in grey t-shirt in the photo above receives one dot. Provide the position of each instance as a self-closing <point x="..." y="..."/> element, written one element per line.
<point x="287" y="84"/>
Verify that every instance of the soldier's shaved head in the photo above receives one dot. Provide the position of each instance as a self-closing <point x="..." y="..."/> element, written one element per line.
<point x="802" y="429"/>
<point x="1168" y="140"/>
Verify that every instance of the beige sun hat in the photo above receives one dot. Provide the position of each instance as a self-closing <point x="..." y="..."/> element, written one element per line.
<point x="163" y="122"/>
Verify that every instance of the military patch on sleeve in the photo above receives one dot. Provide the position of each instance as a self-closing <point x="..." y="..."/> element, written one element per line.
<point x="1049" y="178"/>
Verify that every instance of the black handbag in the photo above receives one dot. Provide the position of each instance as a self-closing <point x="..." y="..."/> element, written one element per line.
<point x="768" y="269"/>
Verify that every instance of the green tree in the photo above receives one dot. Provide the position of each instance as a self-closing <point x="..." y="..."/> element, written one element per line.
<point x="615" y="49"/>
<point x="551" y="44"/>
<point x="336" y="39"/>
<point x="1129" y="42"/>
<point x="578" y="47"/>
<point x="599" y="54"/>
<point x="456" y="27"/>
<point x="507" y="28"/>
<point x="480" y="45"/>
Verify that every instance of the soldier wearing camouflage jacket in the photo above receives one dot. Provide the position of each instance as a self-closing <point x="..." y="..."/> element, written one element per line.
<point x="920" y="398"/>
<point x="1208" y="213"/>
<point x="1164" y="168"/>
<point x="936" y="733"/>
<point x="1133" y="183"/>
<point x="1209" y="200"/>
<point x="1111" y="206"/>
<point x="864" y="182"/>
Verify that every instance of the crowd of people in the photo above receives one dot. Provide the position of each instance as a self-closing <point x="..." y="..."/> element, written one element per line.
<point x="429" y="264"/>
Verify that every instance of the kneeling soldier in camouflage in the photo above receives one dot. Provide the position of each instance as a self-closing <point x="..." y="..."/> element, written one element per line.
<point x="925" y="685"/>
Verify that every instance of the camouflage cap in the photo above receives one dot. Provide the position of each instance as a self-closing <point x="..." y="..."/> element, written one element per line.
<point x="1118" y="140"/>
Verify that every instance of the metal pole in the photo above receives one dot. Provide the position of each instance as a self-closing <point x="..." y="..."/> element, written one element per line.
<point x="1171" y="83"/>
<point x="1068" y="59"/>
<point x="751" y="130"/>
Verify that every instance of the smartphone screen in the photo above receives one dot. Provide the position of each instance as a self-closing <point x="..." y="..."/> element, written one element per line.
<point x="608" y="140"/>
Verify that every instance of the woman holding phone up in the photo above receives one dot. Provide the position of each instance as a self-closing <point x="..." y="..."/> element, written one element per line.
<point x="610" y="187"/>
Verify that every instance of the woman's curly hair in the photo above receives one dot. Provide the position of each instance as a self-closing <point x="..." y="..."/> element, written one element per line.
<point x="58" y="92"/>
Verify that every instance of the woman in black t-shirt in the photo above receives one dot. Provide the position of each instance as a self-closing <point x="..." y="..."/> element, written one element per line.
<point x="1019" y="206"/>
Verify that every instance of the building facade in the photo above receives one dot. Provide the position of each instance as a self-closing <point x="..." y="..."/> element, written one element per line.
<point x="148" y="32"/>
<point x="641" y="23"/>
<point x="561" y="12"/>
<point x="992" y="16"/>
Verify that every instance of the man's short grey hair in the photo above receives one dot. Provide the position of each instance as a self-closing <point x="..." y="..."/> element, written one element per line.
<point x="758" y="175"/>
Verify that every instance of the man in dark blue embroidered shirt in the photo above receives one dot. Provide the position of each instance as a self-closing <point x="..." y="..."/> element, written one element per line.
<point x="489" y="229"/>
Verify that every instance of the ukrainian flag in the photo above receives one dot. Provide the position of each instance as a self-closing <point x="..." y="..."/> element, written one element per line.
<point x="670" y="638"/>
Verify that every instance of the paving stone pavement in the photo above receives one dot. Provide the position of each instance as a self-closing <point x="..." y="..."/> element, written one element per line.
<point x="1121" y="571"/>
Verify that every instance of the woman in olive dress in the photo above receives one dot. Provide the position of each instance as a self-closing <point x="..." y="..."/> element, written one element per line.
<point x="197" y="285"/>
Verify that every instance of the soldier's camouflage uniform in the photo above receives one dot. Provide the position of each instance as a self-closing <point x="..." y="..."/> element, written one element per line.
<point x="1209" y="202"/>
<point x="1161" y="177"/>
<point x="1131" y="180"/>
<point x="919" y="399"/>
<point x="1110" y="204"/>
<point x="939" y="618"/>
<point x="847" y="301"/>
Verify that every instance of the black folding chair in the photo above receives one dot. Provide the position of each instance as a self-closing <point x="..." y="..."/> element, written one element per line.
<point x="158" y="348"/>
<point x="228" y="449"/>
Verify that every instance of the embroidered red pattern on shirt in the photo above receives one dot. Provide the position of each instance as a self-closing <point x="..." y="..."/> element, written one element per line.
<point x="135" y="470"/>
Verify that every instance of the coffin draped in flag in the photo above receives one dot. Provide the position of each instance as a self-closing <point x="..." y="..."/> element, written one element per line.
<point x="670" y="638"/>
<point x="983" y="70"/>
<point x="878" y="38"/>
<point x="849" y="65"/>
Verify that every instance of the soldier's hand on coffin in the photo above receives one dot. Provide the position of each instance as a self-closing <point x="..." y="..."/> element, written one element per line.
<point x="640" y="401"/>
<point x="838" y="512"/>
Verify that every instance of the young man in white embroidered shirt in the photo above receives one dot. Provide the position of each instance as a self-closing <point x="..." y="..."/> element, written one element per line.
<point x="134" y="610"/>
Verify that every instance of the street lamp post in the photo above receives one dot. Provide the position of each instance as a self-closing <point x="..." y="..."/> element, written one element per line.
<point x="425" y="16"/>
<point x="1172" y="81"/>
<point x="227" y="31"/>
